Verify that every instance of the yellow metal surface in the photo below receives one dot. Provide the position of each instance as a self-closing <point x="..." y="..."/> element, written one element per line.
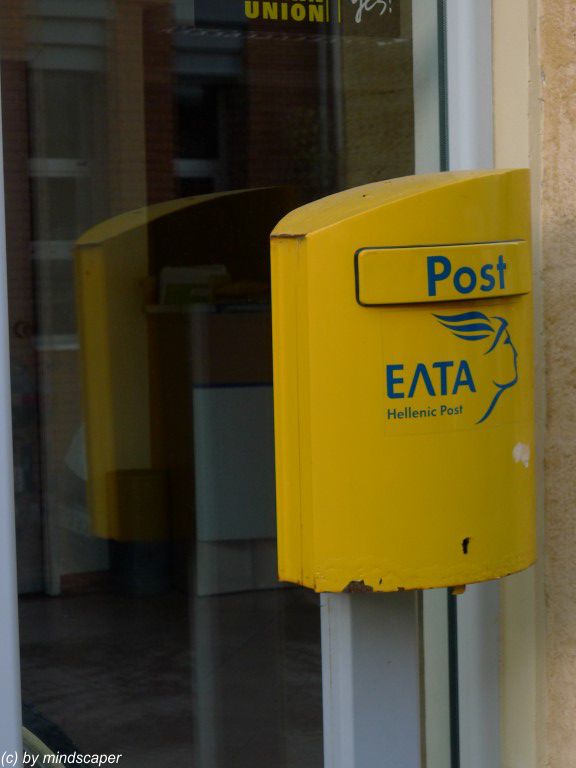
<point x="404" y="428"/>
<point x="116" y="391"/>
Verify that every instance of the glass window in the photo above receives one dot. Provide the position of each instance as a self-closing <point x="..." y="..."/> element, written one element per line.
<point x="152" y="148"/>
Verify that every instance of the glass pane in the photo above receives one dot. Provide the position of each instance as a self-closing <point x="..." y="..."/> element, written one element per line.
<point x="62" y="207"/>
<point x="150" y="149"/>
<point x="66" y="99"/>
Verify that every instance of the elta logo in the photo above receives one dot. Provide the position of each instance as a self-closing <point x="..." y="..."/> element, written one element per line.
<point x="493" y="332"/>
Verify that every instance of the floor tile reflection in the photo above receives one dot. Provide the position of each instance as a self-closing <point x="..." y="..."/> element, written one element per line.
<point x="212" y="682"/>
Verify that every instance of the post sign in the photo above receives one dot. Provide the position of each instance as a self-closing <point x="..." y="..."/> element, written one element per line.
<point x="403" y="384"/>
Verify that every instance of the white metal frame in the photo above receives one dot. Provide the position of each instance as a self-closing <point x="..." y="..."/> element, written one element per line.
<point x="371" y="680"/>
<point x="469" y="68"/>
<point x="10" y="712"/>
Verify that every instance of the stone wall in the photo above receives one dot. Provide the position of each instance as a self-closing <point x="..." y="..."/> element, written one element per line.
<point x="557" y="24"/>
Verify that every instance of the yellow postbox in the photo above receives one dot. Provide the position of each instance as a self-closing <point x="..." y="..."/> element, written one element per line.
<point x="402" y="322"/>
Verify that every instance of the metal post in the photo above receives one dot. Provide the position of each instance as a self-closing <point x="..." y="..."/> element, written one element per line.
<point x="10" y="713"/>
<point x="371" y="680"/>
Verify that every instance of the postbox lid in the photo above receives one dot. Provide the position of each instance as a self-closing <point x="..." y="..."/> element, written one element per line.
<point x="339" y="208"/>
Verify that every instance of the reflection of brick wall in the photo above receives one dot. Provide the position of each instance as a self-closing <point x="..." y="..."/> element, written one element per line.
<point x="125" y="113"/>
<point x="159" y="102"/>
<point x="15" y="135"/>
<point x="235" y="132"/>
<point x="140" y="105"/>
<point x="21" y="299"/>
<point x="12" y="30"/>
<point x="283" y="101"/>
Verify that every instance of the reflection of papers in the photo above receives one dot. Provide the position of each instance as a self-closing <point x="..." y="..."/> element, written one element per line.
<point x="234" y="462"/>
<point x="75" y="458"/>
<point x="234" y="488"/>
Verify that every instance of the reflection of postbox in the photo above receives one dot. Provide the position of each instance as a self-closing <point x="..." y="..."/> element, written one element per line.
<point x="402" y="319"/>
<point x="139" y="452"/>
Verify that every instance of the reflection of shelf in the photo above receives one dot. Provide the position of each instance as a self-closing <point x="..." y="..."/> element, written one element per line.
<point x="205" y="308"/>
<point x="59" y="167"/>
<point x="52" y="250"/>
<point x="57" y="343"/>
<point x="179" y="309"/>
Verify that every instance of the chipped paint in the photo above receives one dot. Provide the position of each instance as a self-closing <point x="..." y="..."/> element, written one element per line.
<point x="358" y="586"/>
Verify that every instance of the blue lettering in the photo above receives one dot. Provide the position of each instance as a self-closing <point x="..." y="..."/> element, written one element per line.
<point x="443" y="366"/>
<point x="465" y="279"/>
<point x="459" y="284"/>
<point x="392" y="381"/>
<point x="501" y="266"/>
<point x="421" y="373"/>
<point x="425" y="381"/>
<point x="434" y="276"/>
<point x="464" y="378"/>
<point x="489" y="279"/>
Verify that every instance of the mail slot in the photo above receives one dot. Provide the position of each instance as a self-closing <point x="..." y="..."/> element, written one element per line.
<point x="403" y="384"/>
